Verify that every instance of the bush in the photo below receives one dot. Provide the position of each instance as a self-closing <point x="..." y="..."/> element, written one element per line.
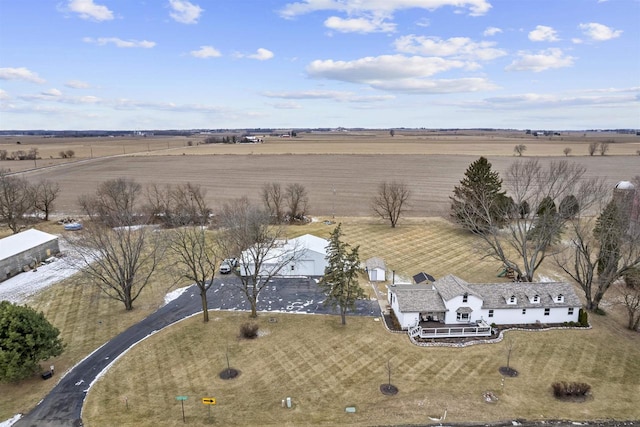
<point x="583" y="318"/>
<point x="563" y="389"/>
<point x="249" y="330"/>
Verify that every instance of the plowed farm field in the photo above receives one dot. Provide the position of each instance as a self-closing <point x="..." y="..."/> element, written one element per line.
<point x="340" y="171"/>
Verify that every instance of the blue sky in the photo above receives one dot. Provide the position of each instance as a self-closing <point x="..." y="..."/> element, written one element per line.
<point x="178" y="64"/>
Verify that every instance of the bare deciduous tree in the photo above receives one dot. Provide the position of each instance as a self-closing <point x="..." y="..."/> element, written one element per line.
<point x="45" y="193"/>
<point x="593" y="146"/>
<point x="603" y="147"/>
<point x="520" y="149"/>
<point x="297" y="201"/>
<point x="600" y="250"/>
<point x="527" y="239"/>
<point x="273" y="200"/>
<point x="117" y="254"/>
<point x="391" y="201"/>
<point x="629" y="298"/>
<point x="16" y="200"/>
<point x="114" y="202"/>
<point x="567" y="151"/>
<point x="245" y="233"/>
<point x="119" y="261"/>
<point x="188" y="205"/>
<point x="195" y="259"/>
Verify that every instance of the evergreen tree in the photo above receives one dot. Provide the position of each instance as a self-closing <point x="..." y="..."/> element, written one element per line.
<point x="340" y="280"/>
<point x="609" y="231"/>
<point x="26" y="338"/>
<point x="479" y="202"/>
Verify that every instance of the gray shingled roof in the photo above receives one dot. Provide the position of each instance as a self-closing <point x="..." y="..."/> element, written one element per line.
<point x="451" y="286"/>
<point x="418" y="298"/>
<point x="375" y="262"/>
<point x="421" y="298"/>
<point x="495" y="295"/>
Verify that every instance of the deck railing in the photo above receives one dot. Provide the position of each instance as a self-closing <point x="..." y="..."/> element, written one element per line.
<point x="480" y="330"/>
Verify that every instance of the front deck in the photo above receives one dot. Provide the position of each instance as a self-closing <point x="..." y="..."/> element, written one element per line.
<point x="440" y="330"/>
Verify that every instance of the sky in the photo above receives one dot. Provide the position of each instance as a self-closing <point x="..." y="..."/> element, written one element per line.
<point x="222" y="64"/>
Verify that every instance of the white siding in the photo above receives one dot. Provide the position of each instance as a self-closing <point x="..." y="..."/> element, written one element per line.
<point x="514" y="316"/>
<point x="453" y="304"/>
<point x="376" y="275"/>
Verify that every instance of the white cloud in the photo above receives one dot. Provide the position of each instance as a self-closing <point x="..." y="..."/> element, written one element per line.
<point x="77" y="84"/>
<point x="385" y="67"/>
<point x="380" y="7"/>
<point x="102" y="41"/>
<point x="291" y="105"/>
<point x="261" y="54"/>
<point x="426" y="86"/>
<point x="4" y="94"/>
<point x="359" y="25"/>
<point x="20" y="74"/>
<point x="491" y="31"/>
<point x="206" y="52"/>
<point x="185" y="12"/>
<point x="537" y="100"/>
<point x="87" y="9"/>
<point x="52" y="92"/>
<point x="542" y="33"/>
<point x="458" y="47"/>
<point x="599" y="32"/>
<point x="576" y="40"/>
<point x="328" y="94"/>
<point x="541" y="61"/>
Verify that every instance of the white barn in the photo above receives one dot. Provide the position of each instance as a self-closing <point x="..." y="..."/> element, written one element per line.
<point x="302" y="256"/>
<point x="25" y="250"/>
<point x="452" y="301"/>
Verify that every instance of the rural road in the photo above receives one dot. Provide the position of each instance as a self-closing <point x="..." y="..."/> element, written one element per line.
<point x="63" y="405"/>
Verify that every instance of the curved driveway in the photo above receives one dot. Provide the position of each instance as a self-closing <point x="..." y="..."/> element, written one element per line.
<point x="63" y="405"/>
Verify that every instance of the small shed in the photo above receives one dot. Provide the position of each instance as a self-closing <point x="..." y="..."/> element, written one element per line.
<point x="25" y="250"/>
<point x="376" y="270"/>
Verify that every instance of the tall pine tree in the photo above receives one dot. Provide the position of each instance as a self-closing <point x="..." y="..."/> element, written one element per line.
<point x="340" y="280"/>
<point x="479" y="203"/>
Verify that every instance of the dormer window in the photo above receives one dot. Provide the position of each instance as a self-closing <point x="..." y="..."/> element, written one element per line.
<point x="511" y="300"/>
<point x="560" y="298"/>
<point x="535" y="299"/>
<point x="465" y="298"/>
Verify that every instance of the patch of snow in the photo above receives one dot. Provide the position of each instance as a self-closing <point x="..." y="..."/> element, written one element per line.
<point x="11" y="421"/>
<point x="174" y="294"/>
<point x="23" y="286"/>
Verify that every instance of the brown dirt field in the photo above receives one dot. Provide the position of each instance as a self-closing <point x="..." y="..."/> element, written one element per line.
<point x="354" y="177"/>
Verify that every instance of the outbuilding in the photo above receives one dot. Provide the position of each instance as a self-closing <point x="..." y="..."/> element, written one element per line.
<point x="25" y="250"/>
<point x="376" y="270"/>
<point x="302" y="256"/>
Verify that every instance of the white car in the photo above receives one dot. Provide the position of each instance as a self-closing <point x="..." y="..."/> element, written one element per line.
<point x="227" y="265"/>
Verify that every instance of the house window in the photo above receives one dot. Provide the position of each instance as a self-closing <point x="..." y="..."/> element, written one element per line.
<point x="546" y="311"/>
<point x="465" y="298"/>
<point x="490" y="313"/>
<point x="524" y="311"/>
<point x="462" y="317"/>
<point x="293" y="267"/>
<point x="560" y="298"/>
<point x="512" y="300"/>
<point x="536" y="298"/>
<point x="570" y="312"/>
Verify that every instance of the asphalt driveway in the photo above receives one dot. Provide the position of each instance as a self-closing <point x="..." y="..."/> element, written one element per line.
<point x="63" y="405"/>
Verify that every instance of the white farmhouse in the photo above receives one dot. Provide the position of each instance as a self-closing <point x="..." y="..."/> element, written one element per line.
<point x="302" y="256"/>
<point x="452" y="301"/>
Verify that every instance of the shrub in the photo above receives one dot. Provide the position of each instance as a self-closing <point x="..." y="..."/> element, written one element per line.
<point x="70" y="153"/>
<point x="583" y="318"/>
<point x="395" y="324"/>
<point x="249" y="330"/>
<point x="563" y="389"/>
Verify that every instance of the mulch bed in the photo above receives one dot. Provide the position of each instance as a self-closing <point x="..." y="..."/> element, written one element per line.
<point x="229" y="374"/>
<point x="388" y="389"/>
<point x="508" y="372"/>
